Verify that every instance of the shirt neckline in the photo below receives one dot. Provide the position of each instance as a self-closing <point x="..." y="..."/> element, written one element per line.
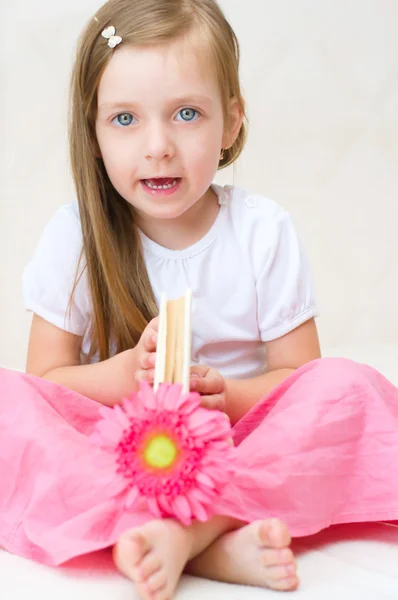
<point x="207" y="240"/>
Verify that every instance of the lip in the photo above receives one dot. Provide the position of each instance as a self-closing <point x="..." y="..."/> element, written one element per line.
<point x="161" y="192"/>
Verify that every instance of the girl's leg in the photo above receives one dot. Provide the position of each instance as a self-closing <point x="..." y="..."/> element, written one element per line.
<point x="155" y="555"/>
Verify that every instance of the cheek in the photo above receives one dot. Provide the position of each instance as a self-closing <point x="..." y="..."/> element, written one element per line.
<point x="203" y="151"/>
<point x="117" y="158"/>
<point x="203" y="158"/>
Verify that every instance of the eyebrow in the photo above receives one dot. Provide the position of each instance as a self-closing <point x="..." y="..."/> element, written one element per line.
<point x="183" y="100"/>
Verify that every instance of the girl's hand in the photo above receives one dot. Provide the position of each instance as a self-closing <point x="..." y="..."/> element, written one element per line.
<point x="145" y="352"/>
<point x="210" y="385"/>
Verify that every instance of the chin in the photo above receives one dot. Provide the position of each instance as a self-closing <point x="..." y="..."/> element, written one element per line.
<point x="167" y="214"/>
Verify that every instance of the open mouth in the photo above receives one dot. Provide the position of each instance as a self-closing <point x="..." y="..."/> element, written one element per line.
<point x="161" y="183"/>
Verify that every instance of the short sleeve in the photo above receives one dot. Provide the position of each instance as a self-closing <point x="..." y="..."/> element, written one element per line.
<point x="49" y="277"/>
<point x="285" y="291"/>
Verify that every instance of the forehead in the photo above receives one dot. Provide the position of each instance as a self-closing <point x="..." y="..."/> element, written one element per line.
<point x="181" y="67"/>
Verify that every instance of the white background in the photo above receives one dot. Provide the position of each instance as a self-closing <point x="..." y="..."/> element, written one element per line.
<point x="321" y="81"/>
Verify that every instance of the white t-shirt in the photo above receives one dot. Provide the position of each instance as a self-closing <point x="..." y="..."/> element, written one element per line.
<point x="249" y="277"/>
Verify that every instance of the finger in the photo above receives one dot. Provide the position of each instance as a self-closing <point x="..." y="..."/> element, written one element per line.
<point x="213" y="402"/>
<point x="150" y="340"/>
<point x="199" y="371"/>
<point x="208" y="385"/>
<point x="145" y="375"/>
<point x="154" y="324"/>
<point x="148" y="360"/>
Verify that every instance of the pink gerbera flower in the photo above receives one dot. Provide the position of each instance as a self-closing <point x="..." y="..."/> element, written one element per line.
<point x="166" y="452"/>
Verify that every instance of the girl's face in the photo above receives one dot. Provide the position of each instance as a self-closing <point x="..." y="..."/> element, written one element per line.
<point x="160" y="127"/>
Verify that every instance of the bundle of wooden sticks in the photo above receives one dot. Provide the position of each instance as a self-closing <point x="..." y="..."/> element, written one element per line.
<point x="173" y="355"/>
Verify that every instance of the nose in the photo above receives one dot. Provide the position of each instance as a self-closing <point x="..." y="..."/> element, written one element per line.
<point x="159" y="143"/>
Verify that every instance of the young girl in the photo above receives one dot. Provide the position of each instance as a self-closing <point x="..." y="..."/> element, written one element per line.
<point x="156" y="110"/>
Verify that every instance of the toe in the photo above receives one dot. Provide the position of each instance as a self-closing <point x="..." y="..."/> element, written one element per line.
<point x="274" y="533"/>
<point x="148" y="566"/>
<point x="274" y="557"/>
<point x="129" y="552"/>
<point x="279" y="572"/>
<point x="287" y="584"/>
<point x="286" y="556"/>
<point x="139" y="545"/>
<point x="157" y="583"/>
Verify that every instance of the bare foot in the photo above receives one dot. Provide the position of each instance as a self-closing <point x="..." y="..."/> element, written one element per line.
<point x="257" y="554"/>
<point x="153" y="557"/>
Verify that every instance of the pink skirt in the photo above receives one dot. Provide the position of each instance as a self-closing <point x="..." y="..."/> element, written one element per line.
<point x="321" y="449"/>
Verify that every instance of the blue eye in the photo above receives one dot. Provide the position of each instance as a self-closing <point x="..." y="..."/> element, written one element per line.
<point x="124" y="119"/>
<point x="188" y="114"/>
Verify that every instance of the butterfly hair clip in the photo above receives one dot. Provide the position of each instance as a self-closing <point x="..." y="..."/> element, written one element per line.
<point x="109" y="34"/>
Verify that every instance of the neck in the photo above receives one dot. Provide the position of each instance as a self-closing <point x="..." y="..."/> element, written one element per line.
<point x="188" y="228"/>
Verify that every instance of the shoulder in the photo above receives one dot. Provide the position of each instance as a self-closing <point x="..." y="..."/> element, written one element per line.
<point x="64" y="223"/>
<point x="250" y="211"/>
<point x="49" y="277"/>
<point x="61" y="236"/>
<point x="259" y="224"/>
<point x="61" y="239"/>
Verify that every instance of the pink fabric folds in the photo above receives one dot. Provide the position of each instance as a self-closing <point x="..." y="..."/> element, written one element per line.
<point x="320" y="450"/>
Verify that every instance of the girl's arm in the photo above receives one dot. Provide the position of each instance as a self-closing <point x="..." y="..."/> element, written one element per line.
<point x="54" y="355"/>
<point x="284" y="356"/>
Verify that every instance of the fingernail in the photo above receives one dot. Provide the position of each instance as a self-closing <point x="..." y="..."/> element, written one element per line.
<point x="193" y="385"/>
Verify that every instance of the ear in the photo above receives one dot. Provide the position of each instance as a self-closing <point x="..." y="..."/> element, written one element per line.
<point x="232" y="128"/>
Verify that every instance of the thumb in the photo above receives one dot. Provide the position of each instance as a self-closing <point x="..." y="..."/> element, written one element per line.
<point x="199" y="371"/>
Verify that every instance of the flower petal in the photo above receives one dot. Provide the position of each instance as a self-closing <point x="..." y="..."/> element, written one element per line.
<point x="111" y="432"/>
<point x="129" y="406"/>
<point x="219" y="475"/>
<point x="185" y="397"/>
<point x="131" y="497"/>
<point x="121" y="416"/>
<point x="212" y="431"/>
<point x="200" y="418"/>
<point x="205" y="480"/>
<point x="106" y="412"/>
<point x="200" y="496"/>
<point x="182" y="509"/>
<point x="153" y="507"/>
<point x="164" y="503"/>
<point x="161" y="393"/>
<point x="172" y="397"/>
<point x="191" y="402"/>
<point x="212" y="459"/>
<point x="218" y="446"/>
<point x="198" y="510"/>
<point x="147" y="396"/>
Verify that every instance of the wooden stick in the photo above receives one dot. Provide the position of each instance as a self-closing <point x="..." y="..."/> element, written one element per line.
<point x="173" y="355"/>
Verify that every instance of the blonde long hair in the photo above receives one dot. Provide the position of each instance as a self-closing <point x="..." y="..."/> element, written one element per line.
<point x="121" y="295"/>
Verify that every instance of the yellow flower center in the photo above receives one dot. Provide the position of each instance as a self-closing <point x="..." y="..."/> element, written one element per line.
<point x="160" y="452"/>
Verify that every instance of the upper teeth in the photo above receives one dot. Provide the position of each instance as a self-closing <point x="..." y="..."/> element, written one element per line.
<point x="161" y="187"/>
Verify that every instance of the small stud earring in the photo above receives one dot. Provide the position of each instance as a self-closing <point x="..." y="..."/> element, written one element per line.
<point x="222" y="154"/>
